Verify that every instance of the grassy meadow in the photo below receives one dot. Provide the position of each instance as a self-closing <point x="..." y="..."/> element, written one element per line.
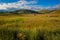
<point x="30" y="27"/>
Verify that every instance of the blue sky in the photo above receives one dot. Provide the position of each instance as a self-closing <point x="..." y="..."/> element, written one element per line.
<point x="29" y="4"/>
<point x="8" y="1"/>
<point x="48" y="2"/>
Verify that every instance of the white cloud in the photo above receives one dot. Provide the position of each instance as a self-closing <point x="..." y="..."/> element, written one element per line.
<point x="19" y="4"/>
<point x="53" y="7"/>
<point x="57" y="6"/>
<point x="23" y="4"/>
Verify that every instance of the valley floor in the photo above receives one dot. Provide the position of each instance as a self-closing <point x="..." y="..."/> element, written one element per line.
<point x="30" y="27"/>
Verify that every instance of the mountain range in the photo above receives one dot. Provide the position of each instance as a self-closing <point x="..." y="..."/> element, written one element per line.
<point x="27" y="11"/>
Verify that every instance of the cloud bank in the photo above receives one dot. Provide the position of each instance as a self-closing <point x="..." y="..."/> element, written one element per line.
<point x="23" y="4"/>
<point x="19" y="4"/>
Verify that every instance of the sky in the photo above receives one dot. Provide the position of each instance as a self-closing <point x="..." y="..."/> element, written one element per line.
<point x="29" y="4"/>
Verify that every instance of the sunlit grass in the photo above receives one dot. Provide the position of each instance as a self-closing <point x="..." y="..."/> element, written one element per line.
<point x="38" y="27"/>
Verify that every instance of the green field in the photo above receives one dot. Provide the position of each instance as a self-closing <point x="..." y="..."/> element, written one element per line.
<point x="30" y="27"/>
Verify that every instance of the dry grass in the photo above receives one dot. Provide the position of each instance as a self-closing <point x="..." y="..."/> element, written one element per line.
<point x="32" y="24"/>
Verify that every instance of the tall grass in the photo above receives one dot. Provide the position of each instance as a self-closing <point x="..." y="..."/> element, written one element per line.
<point x="39" y="27"/>
<point x="6" y="34"/>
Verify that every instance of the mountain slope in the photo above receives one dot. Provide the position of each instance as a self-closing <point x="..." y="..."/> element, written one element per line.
<point x="25" y="11"/>
<point x="56" y="11"/>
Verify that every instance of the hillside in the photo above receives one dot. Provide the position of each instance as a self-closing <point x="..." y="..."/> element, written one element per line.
<point x="19" y="12"/>
<point x="56" y="11"/>
<point x="39" y="27"/>
<point x="25" y="12"/>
